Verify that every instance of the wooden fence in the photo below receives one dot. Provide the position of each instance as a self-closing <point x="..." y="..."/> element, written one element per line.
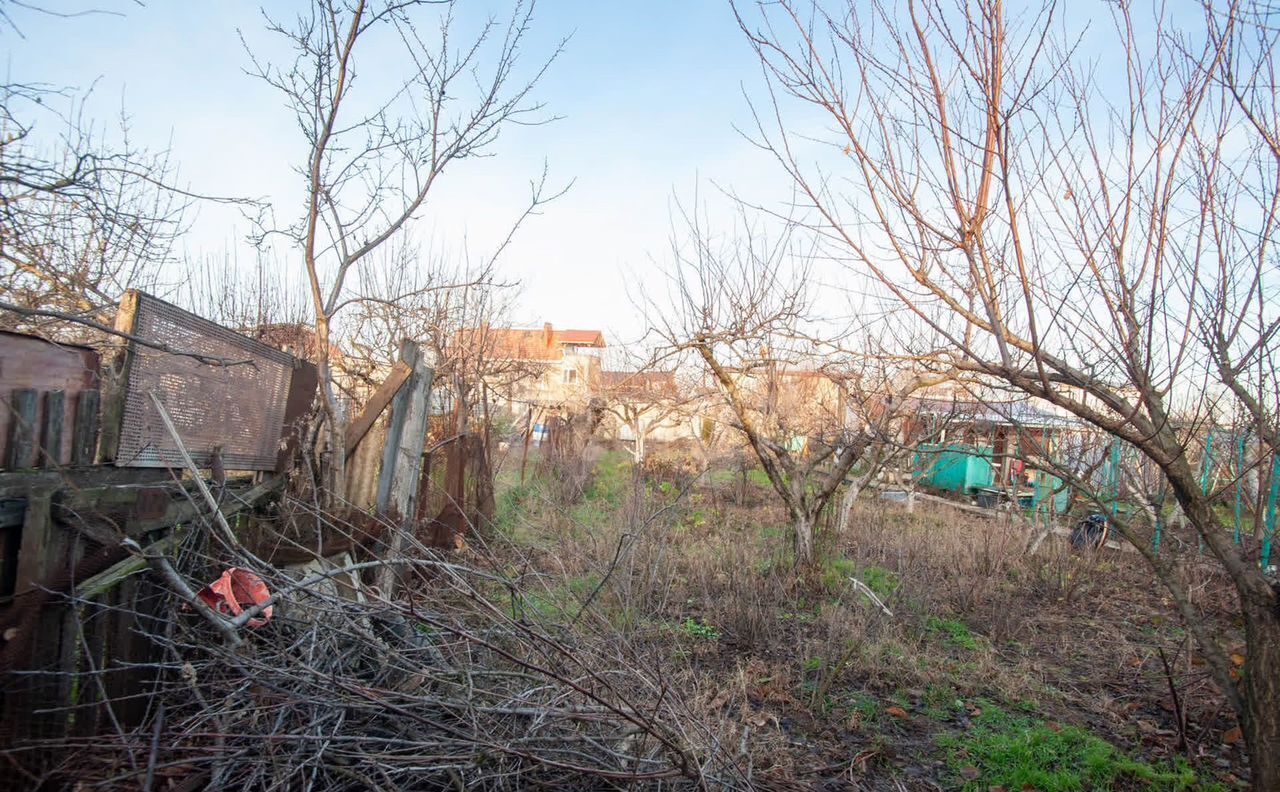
<point x="85" y="463"/>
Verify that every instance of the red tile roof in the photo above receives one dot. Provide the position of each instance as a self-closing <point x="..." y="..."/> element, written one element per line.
<point x="545" y="343"/>
<point x="637" y="383"/>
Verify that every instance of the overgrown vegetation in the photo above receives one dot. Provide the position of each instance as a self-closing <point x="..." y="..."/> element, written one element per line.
<point x="979" y="679"/>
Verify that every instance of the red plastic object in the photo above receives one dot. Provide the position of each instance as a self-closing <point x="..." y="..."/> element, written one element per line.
<point x="235" y="591"/>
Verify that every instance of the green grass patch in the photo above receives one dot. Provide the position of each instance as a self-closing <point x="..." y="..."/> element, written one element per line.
<point x="1017" y="752"/>
<point x="953" y="632"/>
<point x="880" y="580"/>
<point x="513" y="508"/>
<point x="555" y="603"/>
<point x="865" y="706"/>
<point x="941" y="701"/>
<point x="836" y="572"/>
<point x="609" y="479"/>
<point x="696" y="628"/>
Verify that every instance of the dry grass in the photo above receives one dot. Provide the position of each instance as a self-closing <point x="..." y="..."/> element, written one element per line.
<point x="804" y="681"/>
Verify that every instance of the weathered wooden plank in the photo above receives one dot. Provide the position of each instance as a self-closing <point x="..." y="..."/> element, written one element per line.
<point x="11" y="512"/>
<point x="22" y="428"/>
<point x="378" y="402"/>
<point x="42" y="554"/>
<point x="137" y="510"/>
<point x="297" y="409"/>
<point x="402" y="458"/>
<point x="16" y="484"/>
<point x="51" y="429"/>
<point x="35" y="556"/>
<point x="117" y="376"/>
<point x="119" y="629"/>
<point x="400" y="410"/>
<point x="66" y="657"/>
<point x="94" y="620"/>
<point x="84" y="434"/>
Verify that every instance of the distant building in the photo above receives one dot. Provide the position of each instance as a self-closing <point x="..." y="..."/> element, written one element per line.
<point x="552" y="372"/>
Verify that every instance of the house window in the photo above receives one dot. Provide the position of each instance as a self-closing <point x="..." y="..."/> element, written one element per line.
<point x="570" y="375"/>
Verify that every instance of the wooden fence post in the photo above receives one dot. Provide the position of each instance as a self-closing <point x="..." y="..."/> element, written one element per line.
<point x="51" y="429"/>
<point x="23" y="406"/>
<point x="402" y="459"/>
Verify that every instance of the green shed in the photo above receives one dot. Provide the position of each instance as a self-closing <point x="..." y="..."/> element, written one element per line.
<point x="956" y="468"/>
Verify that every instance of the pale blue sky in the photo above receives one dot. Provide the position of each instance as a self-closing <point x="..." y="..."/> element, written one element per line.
<point x="649" y="93"/>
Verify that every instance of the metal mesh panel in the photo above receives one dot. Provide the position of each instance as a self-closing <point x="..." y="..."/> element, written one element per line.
<point x="238" y="407"/>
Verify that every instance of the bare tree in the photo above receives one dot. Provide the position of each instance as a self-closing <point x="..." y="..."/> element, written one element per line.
<point x="82" y="217"/>
<point x="643" y="396"/>
<point x="1104" y="245"/>
<point x="378" y="147"/>
<point x="740" y="307"/>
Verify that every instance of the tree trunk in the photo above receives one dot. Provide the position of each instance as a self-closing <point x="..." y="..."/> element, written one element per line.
<point x="1261" y="688"/>
<point x="803" y="526"/>
<point x="333" y="475"/>
<point x="846" y="505"/>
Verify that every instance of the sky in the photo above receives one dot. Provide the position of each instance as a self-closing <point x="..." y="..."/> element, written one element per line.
<point x="648" y="95"/>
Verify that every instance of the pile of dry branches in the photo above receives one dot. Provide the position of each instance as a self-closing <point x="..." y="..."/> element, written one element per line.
<point x="448" y="686"/>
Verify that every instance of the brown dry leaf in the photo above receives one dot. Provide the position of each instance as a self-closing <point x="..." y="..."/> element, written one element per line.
<point x="897" y="712"/>
<point x="1232" y="735"/>
<point x="1053" y="726"/>
<point x="970" y="772"/>
<point x="1135" y="662"/>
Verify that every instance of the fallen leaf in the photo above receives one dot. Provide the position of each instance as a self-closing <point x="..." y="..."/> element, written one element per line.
<point x="1232" y="735"/>
<point x="970" y="772"/>
<point x="1238" y="659"/>
<point x="897" y="712"/>
<point x="1053" y="726"/>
